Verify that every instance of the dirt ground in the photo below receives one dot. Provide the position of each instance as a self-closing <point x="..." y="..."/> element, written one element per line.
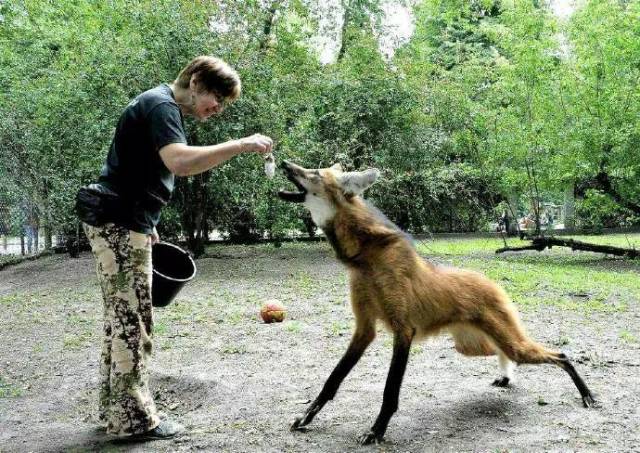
<point x="237" y="383"/>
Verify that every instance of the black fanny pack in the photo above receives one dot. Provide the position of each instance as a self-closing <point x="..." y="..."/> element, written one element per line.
<point x="97" y="205"/>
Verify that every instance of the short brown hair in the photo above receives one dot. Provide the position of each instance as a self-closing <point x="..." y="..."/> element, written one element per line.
<point x="214" y="75"/>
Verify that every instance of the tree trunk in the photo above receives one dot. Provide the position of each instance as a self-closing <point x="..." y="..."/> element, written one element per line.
<point x="569" y="207"/>
<point x="194" y="205"/>
<point x="202" y="196"/>
<point x="36" y="239"/>
<point x="513" y="227"/>
<point x="48" y="237"/>
<point x="186" y="221"/>
<point x="344" y="33"/>
<point x="269" y="21"/>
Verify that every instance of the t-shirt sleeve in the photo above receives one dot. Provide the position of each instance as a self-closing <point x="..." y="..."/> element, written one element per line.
<point x="166" y="125"/>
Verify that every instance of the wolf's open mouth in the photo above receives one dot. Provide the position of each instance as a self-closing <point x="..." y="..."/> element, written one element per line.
<point x="295" y="197"/>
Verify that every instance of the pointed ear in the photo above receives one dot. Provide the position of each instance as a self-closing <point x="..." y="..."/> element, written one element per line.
<point x="356" y="182"/>
<point x="337" y="167"/>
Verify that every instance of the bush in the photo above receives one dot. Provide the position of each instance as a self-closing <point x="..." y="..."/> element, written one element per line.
<point x="597" y="211"/>
<point x="455" y="198"/>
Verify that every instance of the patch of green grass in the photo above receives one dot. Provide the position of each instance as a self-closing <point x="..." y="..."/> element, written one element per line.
<point x="447" y="247"/>
<point x="562" y="341"/>
<point x="616" y="240"/>
<point x="571" y="280"/>
<point x="179" y="311"/>
<point x="10" y="299"/>
<point x="340" y="328"/>
<point x="488" y="245"/>
<point x="293" y="327"/>
<point x="303" y="283"/>
<point x="76" y="341"/>
<point x="233" y="349"/>
<point x="166" y="345"/>
<point x="200" y="318"/>
<point x="628" y="337"/>
<point x="220" y="296"/>
<point x="338" y="301"/>
<point x="167" y="338"/>
<point x="8" y="390"/>
<point x="235" y="317"/>
<point x="160" y="328"/>
<point x="75" y="319"/>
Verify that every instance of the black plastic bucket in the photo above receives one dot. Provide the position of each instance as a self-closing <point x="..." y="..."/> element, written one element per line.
<point x="172" y="268"/>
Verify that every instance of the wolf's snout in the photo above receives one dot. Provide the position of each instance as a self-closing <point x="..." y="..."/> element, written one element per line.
<point x="291" y="172"/>
<point x="290" y="167"/>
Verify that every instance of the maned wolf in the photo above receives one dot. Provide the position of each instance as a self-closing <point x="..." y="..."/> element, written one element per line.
<point x="390" y="282"/>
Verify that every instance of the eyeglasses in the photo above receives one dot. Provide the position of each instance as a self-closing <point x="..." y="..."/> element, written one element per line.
<point x="220" y="99"/>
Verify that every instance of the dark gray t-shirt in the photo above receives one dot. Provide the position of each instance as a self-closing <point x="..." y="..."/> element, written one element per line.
<point x="134" y="168"/>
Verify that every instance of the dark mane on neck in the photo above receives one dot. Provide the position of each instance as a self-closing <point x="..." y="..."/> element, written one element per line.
<point x="386" y="222"/>
<point x="360" y="229"/>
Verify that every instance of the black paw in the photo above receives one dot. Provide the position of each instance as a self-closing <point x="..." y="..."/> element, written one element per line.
<point x="298" y="424"/>
<point x="589" y="401"/>
<point x="501" y="382"/>
<point x="370" y="438"/>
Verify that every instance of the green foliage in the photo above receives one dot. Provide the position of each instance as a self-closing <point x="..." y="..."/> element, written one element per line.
<point x="453" y="198"/>
<point x="536" y="279"/>
<point x="70" y="69"/>
<point x="482" y="104"/>
<point x="597" y="210"/>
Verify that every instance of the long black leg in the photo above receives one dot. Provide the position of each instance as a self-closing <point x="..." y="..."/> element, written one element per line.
<point x="585" y="393"/>
<point x="356" y="348"/>
<point x="401" y="347"/>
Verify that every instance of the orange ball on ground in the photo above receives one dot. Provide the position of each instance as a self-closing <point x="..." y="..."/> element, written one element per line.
<point x="272" y="311"/>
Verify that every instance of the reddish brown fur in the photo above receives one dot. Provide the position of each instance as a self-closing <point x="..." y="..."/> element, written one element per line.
<point x="392" y="283"/>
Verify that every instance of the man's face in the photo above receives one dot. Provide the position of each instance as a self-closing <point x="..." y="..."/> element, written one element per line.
<point x="205" y="104"/>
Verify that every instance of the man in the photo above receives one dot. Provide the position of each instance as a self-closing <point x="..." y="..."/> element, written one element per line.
<point x="148" y="149"/>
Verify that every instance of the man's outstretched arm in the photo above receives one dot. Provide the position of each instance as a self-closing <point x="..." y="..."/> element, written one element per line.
<point x="185" y="160"/>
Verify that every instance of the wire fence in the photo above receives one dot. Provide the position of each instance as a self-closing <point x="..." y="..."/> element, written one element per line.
<point x="20" y="232"/>
<point x="29" y="243"/>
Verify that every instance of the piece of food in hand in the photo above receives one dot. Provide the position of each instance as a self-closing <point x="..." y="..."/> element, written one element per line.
<point x="272" y="311"/>
<point x="269" y="165"/>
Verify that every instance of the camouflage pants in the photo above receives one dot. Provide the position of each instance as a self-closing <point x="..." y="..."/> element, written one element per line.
<point x="123" y="265"/>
